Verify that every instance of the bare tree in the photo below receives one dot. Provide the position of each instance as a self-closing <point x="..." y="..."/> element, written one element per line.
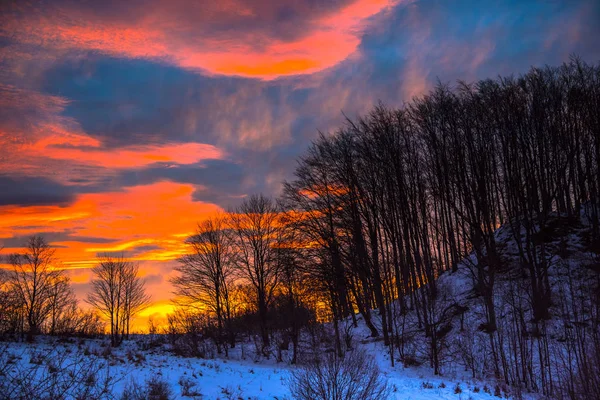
<point x="11" y="310"/>
<point x="118" y="293"/>
<point x="62" y="302"/>
<point x="135" y="297"/>
<point x="206" y="274"/>
<point x="293" y="286"/>
<point x="255" y="224"/>
<point x="33" y="278"/>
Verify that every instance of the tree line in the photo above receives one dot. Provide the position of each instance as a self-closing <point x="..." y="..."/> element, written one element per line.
<point x="379" y="209"/>
<point x="36" y="296"/>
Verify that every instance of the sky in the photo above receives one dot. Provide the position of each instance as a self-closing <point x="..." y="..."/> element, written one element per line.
<point x="125" y="123"/>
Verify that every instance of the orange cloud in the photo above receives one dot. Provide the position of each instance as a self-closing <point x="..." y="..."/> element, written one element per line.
<point x="161" y="214"/>
<point x="195" y="38"/>
<point x="152" y="212"/>
<point x="155" y="218"/>
<point x="131" y="156"/>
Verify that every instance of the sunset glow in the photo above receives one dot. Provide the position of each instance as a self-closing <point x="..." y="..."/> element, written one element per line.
<point x="124" y="124"/>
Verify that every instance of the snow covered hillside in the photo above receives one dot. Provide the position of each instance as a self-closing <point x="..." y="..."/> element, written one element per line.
<point x="534" y="353"/>
<point x="134" y="364"/>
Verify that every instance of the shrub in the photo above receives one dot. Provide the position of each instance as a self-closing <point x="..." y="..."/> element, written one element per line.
<point x="158" y="389"/>
<point x="133" y="391"/>
<point x="457" y="389"/>
<point x="188" y="387"/>
<point x="155" y="389"/>
<point x="354" y="376"/>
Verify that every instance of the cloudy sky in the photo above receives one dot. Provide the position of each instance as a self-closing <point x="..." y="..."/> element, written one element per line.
<point x="123" y="123"/>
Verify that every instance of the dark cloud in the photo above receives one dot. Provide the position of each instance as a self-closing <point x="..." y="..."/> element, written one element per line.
<point x="20" y="240"/>
<point x="125" y="102"/>
<point x="52" y="237"/>
<point x="210" y="172"/>
<point x="33" y="191"/>
<point x="225" y="200"/>
<point x="130" y="253"/>
<point x="88" y="239"/>
<point x="219" y="182"/>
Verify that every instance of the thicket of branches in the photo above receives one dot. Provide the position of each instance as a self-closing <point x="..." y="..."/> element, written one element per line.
<point x="382" y="207"/>
<point x="242" y="276"/>
<point x="36" y="296"/>
<point x="35" y="374"/>
<point x="399" y="196"/>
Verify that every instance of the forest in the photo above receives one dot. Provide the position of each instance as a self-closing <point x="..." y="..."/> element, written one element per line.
<point x="462" y="229"/>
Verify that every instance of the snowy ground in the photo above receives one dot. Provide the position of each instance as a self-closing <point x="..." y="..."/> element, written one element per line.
<point x="235" y="378"/>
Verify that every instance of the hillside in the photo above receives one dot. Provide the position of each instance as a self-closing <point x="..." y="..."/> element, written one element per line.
<point x="533" y="354"/>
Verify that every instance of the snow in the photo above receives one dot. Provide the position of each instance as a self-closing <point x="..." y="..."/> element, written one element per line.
<point x="236" y="378"/>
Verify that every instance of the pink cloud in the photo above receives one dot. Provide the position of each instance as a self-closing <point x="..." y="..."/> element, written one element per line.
<point x="40" y="140"/>
<point x="230" y="38"/>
